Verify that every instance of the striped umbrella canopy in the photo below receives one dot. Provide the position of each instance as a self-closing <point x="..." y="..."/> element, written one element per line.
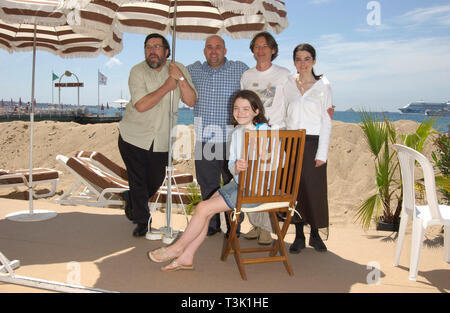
<point x="59" y="40"/>
<point x="195" y="19"/>
<point x="19" y="18"/>
<point x="40" y="24"/>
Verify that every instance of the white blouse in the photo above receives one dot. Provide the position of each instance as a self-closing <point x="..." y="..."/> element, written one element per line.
<point x="237" y="142"/>
<point x="309" y="111"/>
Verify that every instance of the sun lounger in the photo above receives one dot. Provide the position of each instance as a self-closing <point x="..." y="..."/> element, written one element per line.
<point x="19" y="178"/>
<point x="100" y="182"/>
<point x="93" y="187"/>
<point x="101" y="161"/>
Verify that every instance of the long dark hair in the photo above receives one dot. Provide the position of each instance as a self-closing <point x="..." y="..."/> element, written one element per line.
<point x="308" y="48"/>
<point x="255" y="103"/>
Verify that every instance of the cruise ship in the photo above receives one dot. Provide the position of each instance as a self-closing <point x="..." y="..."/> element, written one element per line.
<point x="421" y="107"/>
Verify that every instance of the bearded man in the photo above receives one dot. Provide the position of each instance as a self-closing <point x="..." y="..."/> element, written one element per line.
<point x="144" y="128"/>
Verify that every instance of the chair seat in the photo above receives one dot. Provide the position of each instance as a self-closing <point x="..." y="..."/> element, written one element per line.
<point x="266" y="206"/>
<point x="425" y="214"/>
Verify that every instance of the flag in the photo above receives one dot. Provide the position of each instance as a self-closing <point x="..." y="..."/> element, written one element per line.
<point x="101" y="79"/>
<point x="54" y="76"/>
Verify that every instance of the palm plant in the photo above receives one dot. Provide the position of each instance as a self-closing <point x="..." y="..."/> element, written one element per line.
<point x="378" y="134"/>
<point x="441" y="159"/>
<point x="194" y="197"/>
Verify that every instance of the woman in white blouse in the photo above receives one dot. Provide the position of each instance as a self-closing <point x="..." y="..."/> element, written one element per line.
<point x="307" y="98"/>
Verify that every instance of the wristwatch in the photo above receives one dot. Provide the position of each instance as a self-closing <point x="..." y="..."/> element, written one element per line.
<point x="181" y="78"/>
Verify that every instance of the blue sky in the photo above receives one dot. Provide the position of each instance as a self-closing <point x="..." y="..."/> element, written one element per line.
<point x="377" y="66"/>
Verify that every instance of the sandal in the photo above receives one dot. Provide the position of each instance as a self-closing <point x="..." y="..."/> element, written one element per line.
<point x="174" y="266"/>
<point x="152" y="255"/>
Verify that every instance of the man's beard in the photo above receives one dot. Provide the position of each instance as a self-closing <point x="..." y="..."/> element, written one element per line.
<point x="154" y="64"/>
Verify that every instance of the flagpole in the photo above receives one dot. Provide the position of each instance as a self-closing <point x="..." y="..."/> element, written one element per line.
<point x="98" y="91"/>
<point x="52" y="85"/>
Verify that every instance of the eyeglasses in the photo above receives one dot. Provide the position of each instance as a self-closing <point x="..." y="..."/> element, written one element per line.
<point x="155" y="47"/>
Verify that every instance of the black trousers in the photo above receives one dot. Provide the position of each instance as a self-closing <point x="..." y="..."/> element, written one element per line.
<point x="312" y="199"/>
<point x="211" y="164"/>
<point x="146" y="171"/>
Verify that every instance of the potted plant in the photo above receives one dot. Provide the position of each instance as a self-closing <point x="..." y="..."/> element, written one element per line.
<point x="379" y="134"/>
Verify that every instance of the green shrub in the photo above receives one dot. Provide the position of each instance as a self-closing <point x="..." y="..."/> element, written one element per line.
<point x="441" y="158"/>
<point x="194" y="197"/>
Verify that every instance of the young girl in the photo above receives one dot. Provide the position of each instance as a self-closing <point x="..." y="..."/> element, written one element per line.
<point x="308" y="97"/>
<point x="248" y="114"/>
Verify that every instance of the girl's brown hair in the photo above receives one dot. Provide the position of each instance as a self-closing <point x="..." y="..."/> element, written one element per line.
<point x="255" y="103"/>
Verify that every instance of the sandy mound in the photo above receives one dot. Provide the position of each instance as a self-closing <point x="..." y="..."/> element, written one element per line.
<point x="350" y="166"/>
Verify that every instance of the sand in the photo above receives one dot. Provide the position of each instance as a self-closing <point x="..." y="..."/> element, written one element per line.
<point x="350" y="164"/>
<point x="350" y="180"/>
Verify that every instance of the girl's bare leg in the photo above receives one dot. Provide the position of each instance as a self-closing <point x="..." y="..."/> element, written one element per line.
<point x="196" y="230"/>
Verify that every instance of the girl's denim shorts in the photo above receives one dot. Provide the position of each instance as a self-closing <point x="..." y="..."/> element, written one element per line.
<point x="229" y="194"/>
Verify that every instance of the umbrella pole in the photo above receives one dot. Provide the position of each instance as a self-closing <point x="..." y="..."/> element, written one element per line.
<point x="31" y="215"/>
<point x="30" y="187"/>
<point x="167" y="233"/>
<point x="169" y="184"/>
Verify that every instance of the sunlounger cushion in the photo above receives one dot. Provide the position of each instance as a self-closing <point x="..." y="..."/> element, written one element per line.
<point x="95" y="175"/>
<point x="39" y="174"/>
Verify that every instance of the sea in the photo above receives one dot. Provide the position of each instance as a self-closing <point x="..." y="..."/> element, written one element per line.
<point x="186" y="117"/>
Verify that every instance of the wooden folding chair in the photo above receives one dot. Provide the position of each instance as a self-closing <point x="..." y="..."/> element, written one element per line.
<point x="272" y="179"/>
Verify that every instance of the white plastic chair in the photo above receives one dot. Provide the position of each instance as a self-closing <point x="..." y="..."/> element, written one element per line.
<point x="422" y="215"/>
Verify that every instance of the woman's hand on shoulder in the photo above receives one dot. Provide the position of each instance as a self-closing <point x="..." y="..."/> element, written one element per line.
<point x="331" y="111"/>
<point x="319" y="163"/>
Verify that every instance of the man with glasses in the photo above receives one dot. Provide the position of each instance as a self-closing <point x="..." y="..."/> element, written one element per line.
<point x="144" y="128"/>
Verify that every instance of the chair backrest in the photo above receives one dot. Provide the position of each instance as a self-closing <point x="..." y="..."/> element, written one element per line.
<point x="407" y="158"/>
<point x="96" y="176"/>
<point x="103" y="161"/>
<point x="275" y="160"/>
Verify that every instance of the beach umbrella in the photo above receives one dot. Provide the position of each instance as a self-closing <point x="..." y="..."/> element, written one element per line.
<point x="195" y="19"/>
<point x="184" y="19"/>
<point x="120" y="101"/>
<point x="28" y="25"/>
